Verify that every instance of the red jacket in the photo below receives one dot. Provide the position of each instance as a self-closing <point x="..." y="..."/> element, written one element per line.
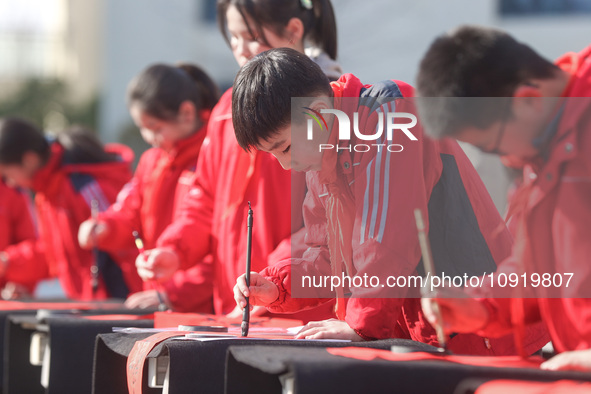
<point x="383" y="189"/>
<point x="17" y="227"/>
<point x="16" y="220"/>
<point x="555" y="214"/>
<point x="213" y="216"/>
<point x="63" y="197"/>
<point x="147" y="204"/>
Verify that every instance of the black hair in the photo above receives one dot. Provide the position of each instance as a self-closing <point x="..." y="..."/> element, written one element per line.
<point x="82" y="146"/>
<point x="161" y="89"/>
<point x="263" y="88"/>
<point x="317" y="16"/>
<point x="18" y="136"/>
<point x="473" y="61"/>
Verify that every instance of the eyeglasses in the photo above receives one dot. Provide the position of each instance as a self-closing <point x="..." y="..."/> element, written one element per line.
<point x="495" y="150"/>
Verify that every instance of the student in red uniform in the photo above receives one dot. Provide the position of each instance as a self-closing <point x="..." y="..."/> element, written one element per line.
<point x="17" y="230"/>
<point x="359" y="210"/>
<point x="543" y="123"/>
<point x="171" y="106"/>
<point x="67" y="174"/>
<point x="213" y="218"/>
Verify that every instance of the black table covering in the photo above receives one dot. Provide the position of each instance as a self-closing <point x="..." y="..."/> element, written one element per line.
<point x="256" y="369"/>
<point x="195" y="367"/>
<point x="71" y="360"/>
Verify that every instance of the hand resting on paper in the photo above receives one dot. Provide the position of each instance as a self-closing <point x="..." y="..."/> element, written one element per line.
<point x="146" y="299"/>
<point x="577" y="360"/>
<point x="328" y="329"/>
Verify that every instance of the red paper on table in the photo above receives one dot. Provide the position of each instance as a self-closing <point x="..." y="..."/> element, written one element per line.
<point x="508" y="386"/>
<point x="482" y="361"/>
<point x="19" y="305"/>
<point x="119" y="317"/>
<point x="174" y="319"/>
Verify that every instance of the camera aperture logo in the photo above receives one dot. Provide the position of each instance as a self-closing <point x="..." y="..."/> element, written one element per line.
<point x="385" y="121"/>
<point x="317" y="116"/>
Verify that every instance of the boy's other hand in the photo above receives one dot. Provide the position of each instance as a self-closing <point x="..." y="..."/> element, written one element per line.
<point x="460" y="315"/>
<point x="261" y="292"/>
<point x="86" y="238"/>
<point x="145" y="299"/>
<point x="158" y="264"/>
<point x="328" y="329"/>
<point x="577" y="360"/>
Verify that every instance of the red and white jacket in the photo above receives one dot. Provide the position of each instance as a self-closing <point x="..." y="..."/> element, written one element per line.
<point x="213" y="216"/>
<point x="64" y="193"/>
<point x="147" y="204"/>
<point x="555" y="219"/>
<point x="17" y="226"/>
<point x="466" y="231"/>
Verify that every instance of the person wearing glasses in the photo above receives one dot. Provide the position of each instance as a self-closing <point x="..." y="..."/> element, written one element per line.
<point x="501" y="96"/>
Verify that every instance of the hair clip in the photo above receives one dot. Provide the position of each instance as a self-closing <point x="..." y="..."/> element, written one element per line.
<point x="307" y="4"/>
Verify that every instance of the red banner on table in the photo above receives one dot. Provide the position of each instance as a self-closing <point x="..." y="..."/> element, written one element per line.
<point x="507" y="386"/>
<point x="173" y="319"/>
<point x="482" y="361"/>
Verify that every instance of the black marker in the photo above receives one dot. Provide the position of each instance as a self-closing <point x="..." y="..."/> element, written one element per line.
<point x="246" y="310"/>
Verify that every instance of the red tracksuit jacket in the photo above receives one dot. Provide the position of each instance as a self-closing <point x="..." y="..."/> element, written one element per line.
<point x="17" y="227"/>
<point x="214" y="213"/>
<point x="16" y="221"/>
<point x="466" y="231"/>
<point x="64" y="192"/>
<point x="147" y="204"/>
<point x="557" y="222"/>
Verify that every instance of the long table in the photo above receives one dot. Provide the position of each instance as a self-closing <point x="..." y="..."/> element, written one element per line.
<point x="69" y="338"/>
<point x="193" y="366"/>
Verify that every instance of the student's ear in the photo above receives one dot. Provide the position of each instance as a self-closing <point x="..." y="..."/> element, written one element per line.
<point x="187" y="111"/>
<point x="294" y="31"/>
<point x="320" y="103"/>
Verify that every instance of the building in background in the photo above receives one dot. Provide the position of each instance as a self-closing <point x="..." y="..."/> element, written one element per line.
<point x="96" y="46"/>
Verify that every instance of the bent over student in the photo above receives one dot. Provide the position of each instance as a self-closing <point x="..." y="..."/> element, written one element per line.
<point x="540" y="122"/>
<point x="360" y="203"/>
<point x="171" y="106"/>
<point x="213" y="217"/>
<point x="68" y="175"/>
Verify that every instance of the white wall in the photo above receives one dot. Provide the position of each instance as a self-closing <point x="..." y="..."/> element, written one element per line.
<point x="139" y="33"/>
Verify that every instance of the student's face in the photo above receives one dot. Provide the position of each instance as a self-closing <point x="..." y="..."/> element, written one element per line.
<point x="163" y="134"/>
<point x="293" y="150"/>
<point x="21" y="174"/>
<point x="244" y="45"/>
<point x="504" y="138"/>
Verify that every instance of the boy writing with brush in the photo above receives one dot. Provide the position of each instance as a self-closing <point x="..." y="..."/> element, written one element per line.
<point x="359" y="207"/>
<point x="541" y="124"/>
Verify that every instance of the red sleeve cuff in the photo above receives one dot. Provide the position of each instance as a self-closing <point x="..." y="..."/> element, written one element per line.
<point x="364" y="337"/>
<point x="282" y="292"/>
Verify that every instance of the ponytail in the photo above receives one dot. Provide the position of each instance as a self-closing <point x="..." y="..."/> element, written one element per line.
<point x="324" y="30"/>
<point x="209" y="91"/>
<point x="161" y="89"/>
<point x="317" y="17"/>
<point x="82" y="146"/>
